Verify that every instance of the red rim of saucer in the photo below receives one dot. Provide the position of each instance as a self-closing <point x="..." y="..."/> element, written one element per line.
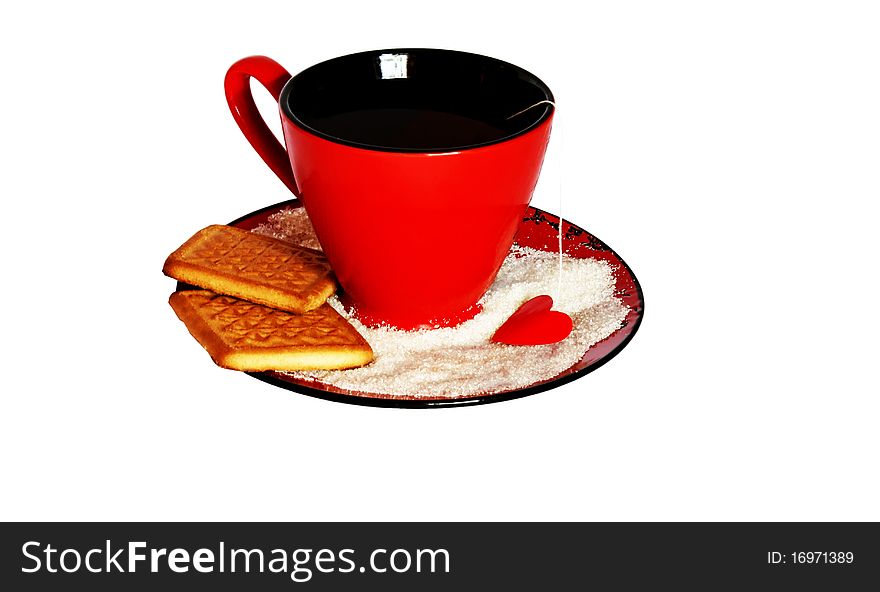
<point x="538" y="230"/>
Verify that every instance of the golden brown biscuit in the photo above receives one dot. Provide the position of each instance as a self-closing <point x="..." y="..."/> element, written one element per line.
<point x="257" y="268"/>
<point x="244" y="336"/>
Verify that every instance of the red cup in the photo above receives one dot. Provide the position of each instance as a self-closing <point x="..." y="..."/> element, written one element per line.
<point x="414" y="165"/>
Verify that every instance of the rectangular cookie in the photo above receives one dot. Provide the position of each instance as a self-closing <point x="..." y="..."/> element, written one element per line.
<point x="245" y="336"/>
<point x="254" y="267"/>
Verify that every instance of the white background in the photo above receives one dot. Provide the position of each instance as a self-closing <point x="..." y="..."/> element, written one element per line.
<point x="728" y="151"/>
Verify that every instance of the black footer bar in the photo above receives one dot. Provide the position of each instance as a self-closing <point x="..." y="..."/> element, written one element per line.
<point x="438" y="556"/>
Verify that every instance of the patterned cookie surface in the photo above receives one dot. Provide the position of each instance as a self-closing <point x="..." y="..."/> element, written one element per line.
<point x="246" y="336"/>
<point x="256" y="268"/>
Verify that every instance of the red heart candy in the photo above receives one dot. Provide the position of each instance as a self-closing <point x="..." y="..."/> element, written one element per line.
<point x="534" y="323"/>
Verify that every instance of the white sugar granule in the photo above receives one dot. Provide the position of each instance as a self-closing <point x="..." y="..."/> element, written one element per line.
<point x="293" y="225"/>
<point x="462" y="361"/>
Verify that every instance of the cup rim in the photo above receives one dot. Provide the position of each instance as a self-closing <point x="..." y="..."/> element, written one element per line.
<point x="284" y="104"/>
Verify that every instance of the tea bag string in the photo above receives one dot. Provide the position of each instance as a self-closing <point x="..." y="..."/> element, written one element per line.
<point x="544" y="102"/>
<point x="560" y="153"/>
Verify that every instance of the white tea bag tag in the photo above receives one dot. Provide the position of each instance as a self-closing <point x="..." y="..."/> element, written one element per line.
<point x="393" y="65"/>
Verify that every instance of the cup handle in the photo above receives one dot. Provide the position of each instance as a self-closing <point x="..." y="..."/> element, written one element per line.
<point x="241" y="102"/>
